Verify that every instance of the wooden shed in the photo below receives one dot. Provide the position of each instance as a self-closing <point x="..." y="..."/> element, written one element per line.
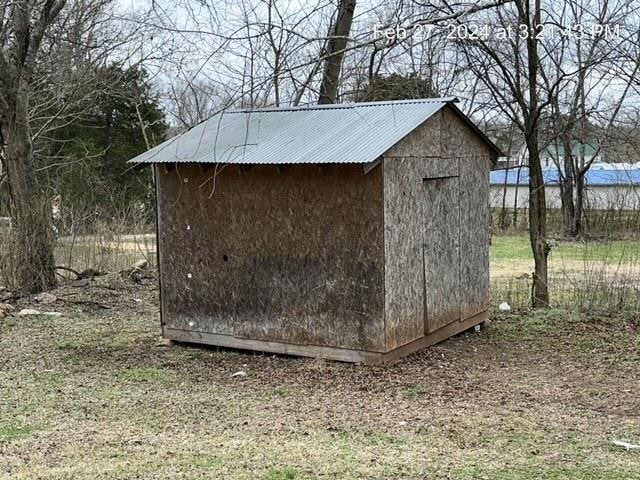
<point x="355" y="232"/>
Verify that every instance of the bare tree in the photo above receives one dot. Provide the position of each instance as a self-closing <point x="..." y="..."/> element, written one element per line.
<point x="335" y="51"/>
<point x="509" y="68"/>
<point x="548" y="76"/>
<point x="583" y="111"/>
<point x="24" y="25"/>
<point x="51" y="53"/>
<point x="192" y="102"/>
<point x="264" y="52"/>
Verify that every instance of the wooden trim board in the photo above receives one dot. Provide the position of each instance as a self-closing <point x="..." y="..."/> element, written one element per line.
<point x="229" y="341"/>
<point x="328" y="353"/>
<point x="438" y="336"/>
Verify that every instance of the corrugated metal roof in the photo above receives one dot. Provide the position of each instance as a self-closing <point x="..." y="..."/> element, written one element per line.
<point x="594" y="177"/>
<point x="342" y="133"/>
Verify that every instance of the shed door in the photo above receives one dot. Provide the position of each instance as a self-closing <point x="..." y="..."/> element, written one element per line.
<point x="441" y="251"/>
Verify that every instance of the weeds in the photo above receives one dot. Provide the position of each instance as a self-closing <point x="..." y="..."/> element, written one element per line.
<point x="13" y="432"/>
<point x="281" y="474"/>
<point x="592" y="277"/>
<point x="145" y="374"/>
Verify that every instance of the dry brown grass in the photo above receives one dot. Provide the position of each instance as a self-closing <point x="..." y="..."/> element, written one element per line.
<point x="109" y="253"/>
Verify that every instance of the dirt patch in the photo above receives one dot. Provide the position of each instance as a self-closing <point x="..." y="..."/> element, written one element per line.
<point x="102" y="296"/>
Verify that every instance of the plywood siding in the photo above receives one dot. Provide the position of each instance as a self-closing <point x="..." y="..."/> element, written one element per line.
<point x="406" y="209"/>
<point x="447" y="149"/>
<point x="403" y="281"/>
<point x="292" y="255"/>
<point x="424" y="142"/>
<point x="474" y="158"/>
<point x="441" y="251"/>
<point x="474" y="235"/>
<point x="459" y="139"/>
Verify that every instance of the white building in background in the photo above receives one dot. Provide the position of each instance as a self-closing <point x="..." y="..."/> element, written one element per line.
<point x="552" y="155"/>
<point x="608" y="186"/>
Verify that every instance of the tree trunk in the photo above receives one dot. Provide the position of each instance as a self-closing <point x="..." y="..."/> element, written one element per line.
<point x="537" y="200"/>
<point x="335" y="52"/>
<point x="538" y="226"/>
<point x="566" y="191"/>
<point x="514" y="221"/>
<point x="503" y="211"/>
<point x="568" y="211"/>
<point x="30" y="208"/>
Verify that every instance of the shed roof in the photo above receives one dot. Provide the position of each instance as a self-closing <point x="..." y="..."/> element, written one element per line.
<point x="337" y="133"/>
<point x="594" y="177"/>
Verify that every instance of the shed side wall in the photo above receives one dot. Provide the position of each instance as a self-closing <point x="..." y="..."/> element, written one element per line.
<point x="474" y="158"/>
<point x="444" y="146"/>
<point x="292" y="255"/>
<point x="405" y="166"/>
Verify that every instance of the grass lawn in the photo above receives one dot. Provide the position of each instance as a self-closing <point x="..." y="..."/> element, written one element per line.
<point x="99" y="395"/>
<point x="511" y="255"/>
<point x="516" y="247"/>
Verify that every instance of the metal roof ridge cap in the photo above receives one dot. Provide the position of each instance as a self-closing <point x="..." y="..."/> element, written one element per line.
<point x="337" y="106"/>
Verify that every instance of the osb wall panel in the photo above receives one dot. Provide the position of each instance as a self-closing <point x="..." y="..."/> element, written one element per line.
<point x="404" y="217"/>
<point x="403" y="275"/>
<point x="417" y="219"/>
<point x="292" y="255"/>
<point x="474" y="158"/>
<point x="458" y="139"/>
<point x="441" y="237"/>
<point x="474" y="236"/>
<point x="423" y="142"/>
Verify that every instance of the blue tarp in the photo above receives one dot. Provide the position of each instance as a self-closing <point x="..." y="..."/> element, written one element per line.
<point x="594" y="177"/>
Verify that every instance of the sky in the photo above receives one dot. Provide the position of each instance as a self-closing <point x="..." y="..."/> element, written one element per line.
<point x="192" y="51"/>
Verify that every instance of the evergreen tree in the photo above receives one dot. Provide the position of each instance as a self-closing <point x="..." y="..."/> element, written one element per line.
<point x="95" y="147"/>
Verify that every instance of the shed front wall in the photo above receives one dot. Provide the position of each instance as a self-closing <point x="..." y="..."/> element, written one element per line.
<point x="291" y="255"/>
<point x="443" y="149"/>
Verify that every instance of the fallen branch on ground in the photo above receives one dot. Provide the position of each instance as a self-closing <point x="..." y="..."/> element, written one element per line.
<point x="88" y="273"/>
